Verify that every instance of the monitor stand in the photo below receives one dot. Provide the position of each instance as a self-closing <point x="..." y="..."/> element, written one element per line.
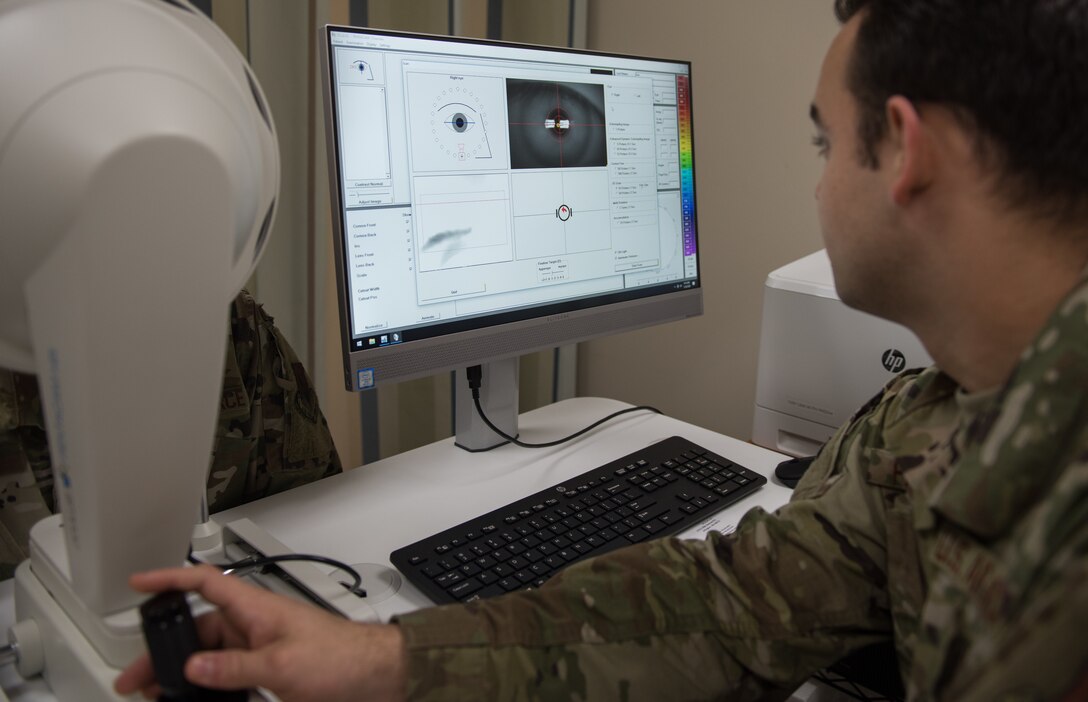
<point x="499" y="400"/>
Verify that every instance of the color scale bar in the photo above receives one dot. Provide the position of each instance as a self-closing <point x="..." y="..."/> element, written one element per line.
<point x="687" y="186"/>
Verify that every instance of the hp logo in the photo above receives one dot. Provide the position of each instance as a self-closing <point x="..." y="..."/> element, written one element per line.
<point x="893" y="360"/>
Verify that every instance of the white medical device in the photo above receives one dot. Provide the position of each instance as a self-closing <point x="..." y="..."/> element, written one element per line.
<point x="139" y="170"/>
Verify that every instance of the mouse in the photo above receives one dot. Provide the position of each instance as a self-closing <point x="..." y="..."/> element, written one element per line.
<point x="789" y="472"/>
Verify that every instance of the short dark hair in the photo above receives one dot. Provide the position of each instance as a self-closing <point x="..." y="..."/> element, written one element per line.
<point x="1014" y="71"/>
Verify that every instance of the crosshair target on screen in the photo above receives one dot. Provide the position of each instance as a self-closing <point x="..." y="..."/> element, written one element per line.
<point x="458" y="127"/>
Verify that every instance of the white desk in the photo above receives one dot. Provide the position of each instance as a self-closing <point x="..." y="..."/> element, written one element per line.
<point x="364" y="514"/>
<point x="361" y="516"/>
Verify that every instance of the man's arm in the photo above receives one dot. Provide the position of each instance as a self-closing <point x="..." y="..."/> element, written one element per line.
<point x="751" y="614"/>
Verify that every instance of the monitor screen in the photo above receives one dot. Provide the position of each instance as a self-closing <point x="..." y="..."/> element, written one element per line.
<point x="493" y="199"/>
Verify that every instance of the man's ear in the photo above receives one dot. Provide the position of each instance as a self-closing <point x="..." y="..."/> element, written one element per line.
<point x="910" y="148"/>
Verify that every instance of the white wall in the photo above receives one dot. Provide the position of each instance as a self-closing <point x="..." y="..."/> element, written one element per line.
<point x="754" y="70"/>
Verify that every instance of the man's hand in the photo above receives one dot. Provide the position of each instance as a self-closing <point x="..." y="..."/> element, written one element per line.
<point x="294" y="650"/>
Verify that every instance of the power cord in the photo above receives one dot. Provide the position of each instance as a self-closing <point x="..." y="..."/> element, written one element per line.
<point x="252" y="563"/>
<point x="474" y="375"/>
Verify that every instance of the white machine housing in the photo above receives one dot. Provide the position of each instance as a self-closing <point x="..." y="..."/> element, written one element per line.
<point x="138" y="177"/>
<point x="819" y="360"/>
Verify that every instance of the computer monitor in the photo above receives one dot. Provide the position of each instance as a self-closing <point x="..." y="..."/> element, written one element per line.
<point x="493" y="199"/>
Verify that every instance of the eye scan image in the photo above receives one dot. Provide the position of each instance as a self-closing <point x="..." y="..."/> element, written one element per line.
<point x="556" y="125"/>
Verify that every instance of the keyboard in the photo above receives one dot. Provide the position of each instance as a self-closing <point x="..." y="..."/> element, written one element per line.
<point x="657" y="491"/>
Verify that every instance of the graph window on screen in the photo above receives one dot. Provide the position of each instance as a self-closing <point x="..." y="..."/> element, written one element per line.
<point x="494" y="199"/>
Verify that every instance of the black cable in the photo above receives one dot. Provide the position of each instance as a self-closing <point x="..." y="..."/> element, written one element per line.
<point x="254" y="562"/>
<point x="474" y="374"/>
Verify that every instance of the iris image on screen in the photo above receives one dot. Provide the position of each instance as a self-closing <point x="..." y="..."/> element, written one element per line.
<point x="556" y="125"/>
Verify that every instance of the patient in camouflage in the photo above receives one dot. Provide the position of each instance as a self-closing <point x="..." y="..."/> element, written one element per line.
<point x="270" y="436"/>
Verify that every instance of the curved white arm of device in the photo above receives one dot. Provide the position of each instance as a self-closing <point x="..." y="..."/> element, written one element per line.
<point x="138" y="174"/>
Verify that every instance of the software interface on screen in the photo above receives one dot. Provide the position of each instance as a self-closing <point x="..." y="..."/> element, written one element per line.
<point x="481" y="179"/>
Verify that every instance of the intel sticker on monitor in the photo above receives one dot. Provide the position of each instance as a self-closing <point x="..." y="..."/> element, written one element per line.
<point x="366" y="378"/>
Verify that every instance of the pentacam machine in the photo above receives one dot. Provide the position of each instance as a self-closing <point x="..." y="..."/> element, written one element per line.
<point x="819" y="360"/>
<point x="138" y="178"/>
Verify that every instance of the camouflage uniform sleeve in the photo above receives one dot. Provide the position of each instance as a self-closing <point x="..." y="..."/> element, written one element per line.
<point x="746" y="616"/>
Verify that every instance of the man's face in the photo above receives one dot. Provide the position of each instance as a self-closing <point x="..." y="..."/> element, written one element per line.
<point x="854" y="205"/>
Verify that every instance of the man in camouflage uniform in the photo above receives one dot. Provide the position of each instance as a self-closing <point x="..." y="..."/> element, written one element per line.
<point x="271" y="434"/>
<point x="948" y="517"/>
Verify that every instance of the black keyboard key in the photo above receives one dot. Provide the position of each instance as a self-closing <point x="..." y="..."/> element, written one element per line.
<point x="608" y="534"/>
<point x="447" y="579"/>
<point x="464" y="588"/>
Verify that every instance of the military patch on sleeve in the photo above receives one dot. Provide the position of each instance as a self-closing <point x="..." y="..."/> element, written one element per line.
<point x="978" y="572"/>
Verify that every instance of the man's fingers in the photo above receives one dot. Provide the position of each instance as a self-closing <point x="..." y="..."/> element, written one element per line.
<point x="224" y="591"/>
<point x="209" y="582"/>
<point x="136" y="676"/>
<point x="232" y="669"/>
